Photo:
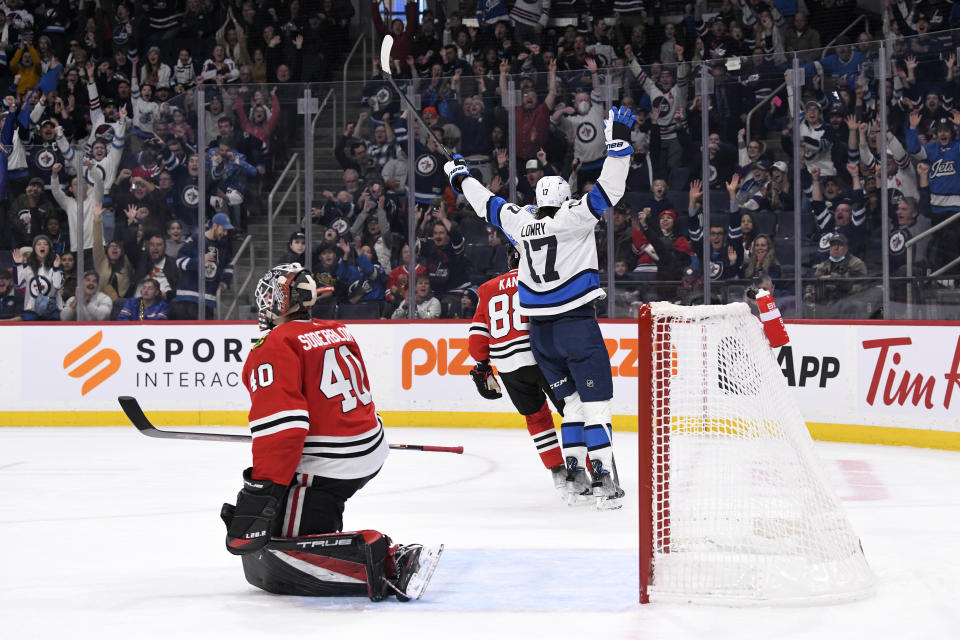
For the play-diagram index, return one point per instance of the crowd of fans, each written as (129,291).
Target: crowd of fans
(101,125)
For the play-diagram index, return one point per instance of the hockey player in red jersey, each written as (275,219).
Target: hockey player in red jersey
(499,333)
(317,440)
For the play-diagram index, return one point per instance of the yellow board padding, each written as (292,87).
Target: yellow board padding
(893,436)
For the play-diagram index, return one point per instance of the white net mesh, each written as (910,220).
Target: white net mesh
(742,509)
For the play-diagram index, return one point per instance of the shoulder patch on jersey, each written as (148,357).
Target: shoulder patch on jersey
(259,341)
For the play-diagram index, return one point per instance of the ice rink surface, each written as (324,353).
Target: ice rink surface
(109,534)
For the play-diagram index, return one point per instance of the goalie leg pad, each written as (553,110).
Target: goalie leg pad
(337,564)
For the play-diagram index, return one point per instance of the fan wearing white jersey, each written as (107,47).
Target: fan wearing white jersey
(558,282)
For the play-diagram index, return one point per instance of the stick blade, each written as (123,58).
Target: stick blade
(385,48)
(131,408)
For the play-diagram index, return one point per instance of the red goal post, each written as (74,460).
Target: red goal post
(735,506)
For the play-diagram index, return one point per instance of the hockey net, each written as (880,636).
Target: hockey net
(735,507)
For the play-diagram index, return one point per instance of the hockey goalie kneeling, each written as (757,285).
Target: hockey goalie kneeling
(317,440)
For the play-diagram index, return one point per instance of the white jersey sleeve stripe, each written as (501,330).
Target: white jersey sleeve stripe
(301,413)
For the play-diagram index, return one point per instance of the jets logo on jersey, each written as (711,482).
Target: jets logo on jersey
(426,165)
(661,107)
(210,268)
(898,241)
(382,97)
(586,132)
(45,159)
(24,216)
(103,174)
(825,242)
(715,269)
(942,168)
(190,195)
(40,286)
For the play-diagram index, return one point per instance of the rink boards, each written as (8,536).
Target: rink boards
(876,382)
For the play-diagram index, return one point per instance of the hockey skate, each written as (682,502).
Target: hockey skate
(577,484)
(559,474)
(605,487)
(415,566)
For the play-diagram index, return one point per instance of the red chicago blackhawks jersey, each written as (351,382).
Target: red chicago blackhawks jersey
(311,407)
(498,330)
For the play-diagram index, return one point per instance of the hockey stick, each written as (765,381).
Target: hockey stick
(135,414)
(385,48)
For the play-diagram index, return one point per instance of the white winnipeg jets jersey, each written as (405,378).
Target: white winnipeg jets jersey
(558,255)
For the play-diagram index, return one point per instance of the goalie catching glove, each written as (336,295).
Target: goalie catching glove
(616,130)
(456,170)
(250,523)
(482,374)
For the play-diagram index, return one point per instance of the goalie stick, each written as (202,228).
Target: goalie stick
(385,48)
(136,416)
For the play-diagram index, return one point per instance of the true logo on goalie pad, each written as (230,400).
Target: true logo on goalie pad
(309,544)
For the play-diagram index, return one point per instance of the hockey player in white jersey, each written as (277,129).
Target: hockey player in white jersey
(558,282)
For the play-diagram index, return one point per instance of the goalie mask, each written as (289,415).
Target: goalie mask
(283,290)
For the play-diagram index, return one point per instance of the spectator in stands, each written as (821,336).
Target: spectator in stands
(28,213)
(58,239)
(93,198)
(762,258)
(801,36)
(843,215)
(68,266)
(533,114)
(442,253)
(369,284)
(218,68)
(157,266)
(833,272)
(149,306)
(817,138)
(97,306)
(174,239)
(40,278)
(428,306)
(358,160)
(402,35)
(400,277)
(726,254)
(750,193)
(25,63)
(371,226)
(184,73)
(218,270)
(660,244)
(909,224)
(227,169)
(11,300)
(943,153)
(659,201)
(296,249)
(780,194)
(262,121)
(114,268)
(669,100)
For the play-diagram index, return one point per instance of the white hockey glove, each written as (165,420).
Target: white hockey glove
(616,130)
(456,171)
